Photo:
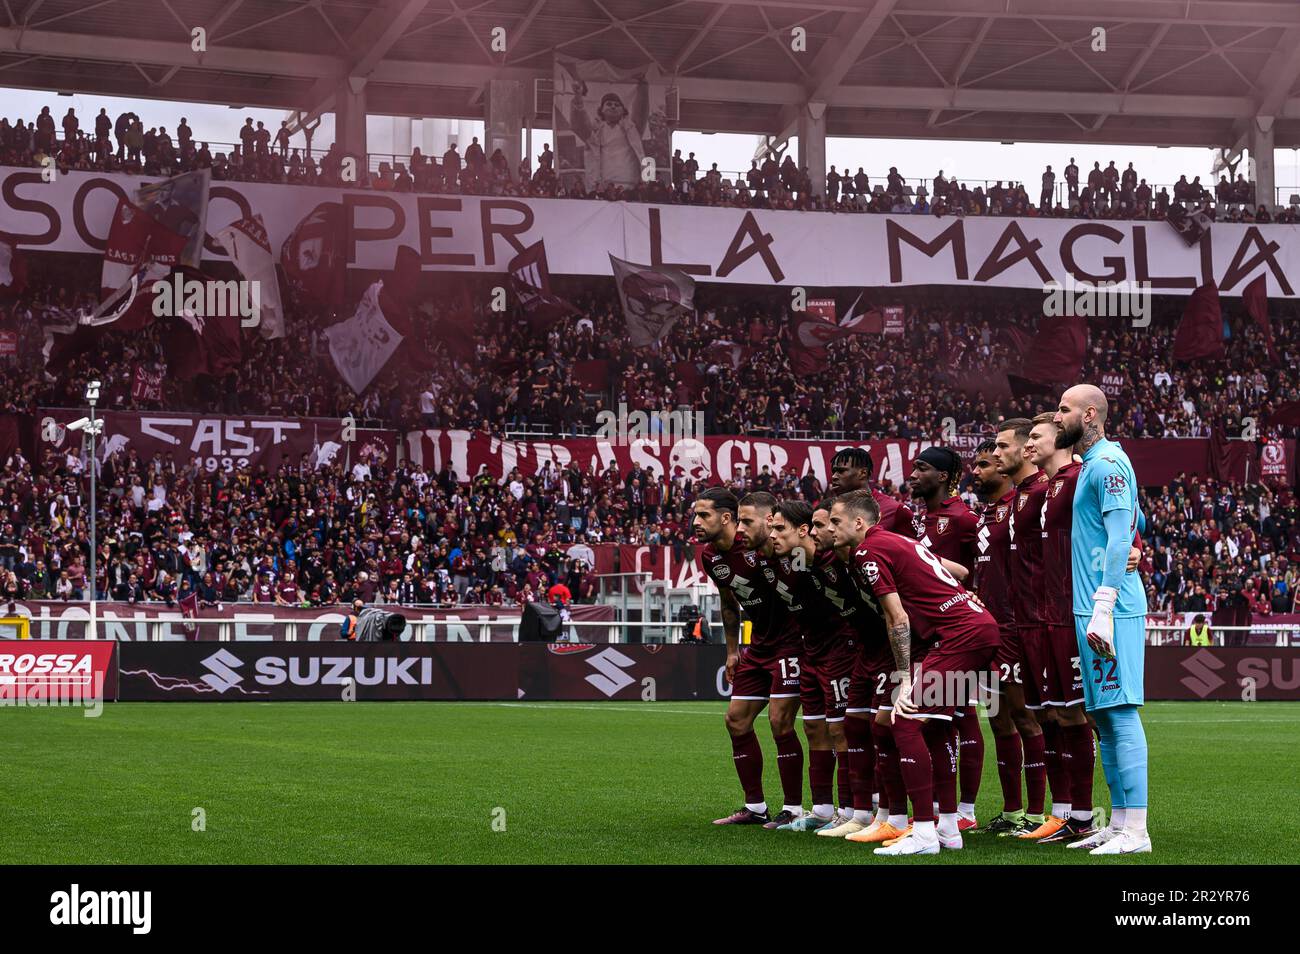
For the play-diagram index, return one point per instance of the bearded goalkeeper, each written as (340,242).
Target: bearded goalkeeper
(1109,614)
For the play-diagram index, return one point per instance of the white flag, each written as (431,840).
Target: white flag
(653,299)
(363,344)
(247,244)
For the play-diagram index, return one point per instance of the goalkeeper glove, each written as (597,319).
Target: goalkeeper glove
(1101,628)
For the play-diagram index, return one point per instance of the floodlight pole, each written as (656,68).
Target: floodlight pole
(92,397)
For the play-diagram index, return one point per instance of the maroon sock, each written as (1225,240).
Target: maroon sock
(970,758)
(843,780)
(821,769)
(914,765)
(789,763)
(1056,766)
(1035,773)
(888,772)
(861,764)
(1083,763)
(748,755)
(941,739)
(1010,757)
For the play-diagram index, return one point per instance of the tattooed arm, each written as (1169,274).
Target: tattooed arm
(899,628)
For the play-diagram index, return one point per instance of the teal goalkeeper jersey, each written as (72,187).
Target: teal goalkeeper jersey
(1106,483)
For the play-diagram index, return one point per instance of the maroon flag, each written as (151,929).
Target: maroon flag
(147,385)
(811,333)
(313,255)
(198,344)
(1055,357)
(189,607)
(13,268)
(729,354)
(653,298)
(1285,415)
(136,238)
(531,280)
(1191,226)
(129,308)
(1255,297)
(397,299)
(1200,333)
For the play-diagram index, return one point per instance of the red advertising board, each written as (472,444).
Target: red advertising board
(69,671)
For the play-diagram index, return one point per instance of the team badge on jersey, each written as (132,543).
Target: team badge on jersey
(1002,513)
(1020,501)
(1116,484)
(1055,489)
(750,558)
(941,525)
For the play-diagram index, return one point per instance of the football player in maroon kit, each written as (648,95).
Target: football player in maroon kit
(767,672)
(913,583)
(1061,686)
(949,528)
(852,469)
(829,651)
(1018,739)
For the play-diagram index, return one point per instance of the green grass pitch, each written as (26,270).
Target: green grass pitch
(364,783)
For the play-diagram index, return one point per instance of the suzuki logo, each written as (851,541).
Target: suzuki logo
(984,539)
(222,665)
(609,663)
(1202,665)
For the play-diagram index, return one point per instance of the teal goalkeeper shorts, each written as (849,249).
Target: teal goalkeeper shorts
(1118,681)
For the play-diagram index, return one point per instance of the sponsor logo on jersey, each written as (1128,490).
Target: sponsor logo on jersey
(767,572)
(722,571)
(872,570)
(830,573)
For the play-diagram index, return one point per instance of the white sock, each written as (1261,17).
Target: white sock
(898,821)
(936,808)
(875,800)
(1135,821)
(1061,809)
(824,811)
(795,810)
(924,830)
(1118,818)
(882,814)
(966,809)
(758,808)
(948,824)
(862,816)
(1076,815)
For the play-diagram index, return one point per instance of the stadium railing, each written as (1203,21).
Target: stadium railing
(502,629)
(1284,635)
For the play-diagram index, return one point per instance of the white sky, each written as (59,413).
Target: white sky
(915,158)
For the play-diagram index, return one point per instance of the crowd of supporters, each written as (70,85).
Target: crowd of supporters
(262,155)
(731,362)
(385,532)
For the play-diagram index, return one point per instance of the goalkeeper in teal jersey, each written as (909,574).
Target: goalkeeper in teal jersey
(1109,614)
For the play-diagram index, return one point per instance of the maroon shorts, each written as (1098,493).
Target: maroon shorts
(824,686)
(870,686)
(1064,683)
(946,679)
(1033,648)
(757,680)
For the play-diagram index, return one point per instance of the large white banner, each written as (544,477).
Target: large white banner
(476,233)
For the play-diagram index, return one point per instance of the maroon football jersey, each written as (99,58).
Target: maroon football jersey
(938,607)
(750,576)
(950,530)
(820,615)
(1056,596)
(1025,533)
(992,566)
(894,516)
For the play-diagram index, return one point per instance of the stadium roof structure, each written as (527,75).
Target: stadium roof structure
(1174,72)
